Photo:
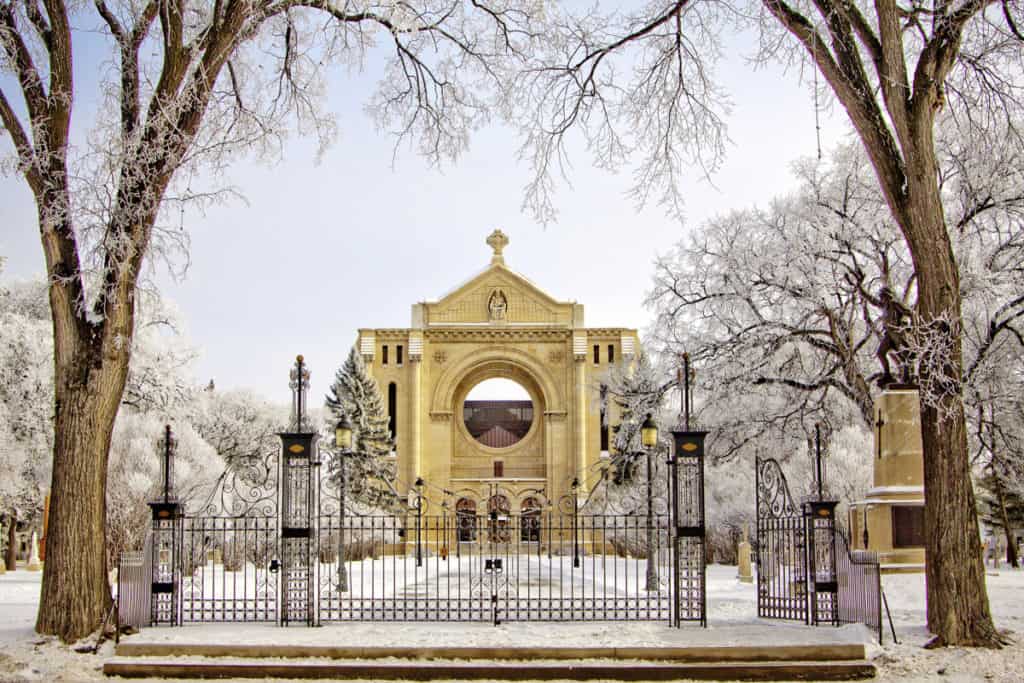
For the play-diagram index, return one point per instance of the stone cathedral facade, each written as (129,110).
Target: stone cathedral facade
(497,324)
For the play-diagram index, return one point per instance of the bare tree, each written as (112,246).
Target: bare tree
(194,84)
(642,81)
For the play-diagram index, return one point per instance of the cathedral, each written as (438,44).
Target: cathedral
(498,324)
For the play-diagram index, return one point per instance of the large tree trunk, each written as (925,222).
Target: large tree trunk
(958,609)
(77,526)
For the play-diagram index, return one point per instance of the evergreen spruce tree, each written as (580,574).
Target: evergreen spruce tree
(369,472)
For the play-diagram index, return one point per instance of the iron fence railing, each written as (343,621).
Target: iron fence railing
(860,586)
(134,584)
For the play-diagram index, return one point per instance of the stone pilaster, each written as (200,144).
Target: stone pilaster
(415,439)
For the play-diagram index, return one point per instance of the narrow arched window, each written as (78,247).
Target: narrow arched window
(604,419)
(393,410)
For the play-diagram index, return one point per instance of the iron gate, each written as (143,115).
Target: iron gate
(805,571)
(491,555)
(509,556)
(781,547)
(276,542)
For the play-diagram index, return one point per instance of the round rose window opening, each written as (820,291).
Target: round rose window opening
(498,412)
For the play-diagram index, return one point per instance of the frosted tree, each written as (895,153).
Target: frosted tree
(785,308)
(136,454)
(369,469)
(191,87)
(26,407)
(639,82)
(998,438)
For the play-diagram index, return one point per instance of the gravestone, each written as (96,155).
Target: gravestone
(33,558)
(743,558)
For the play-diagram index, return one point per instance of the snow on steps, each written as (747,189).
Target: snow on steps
(762,662)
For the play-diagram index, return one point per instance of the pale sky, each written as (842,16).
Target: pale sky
(321,250)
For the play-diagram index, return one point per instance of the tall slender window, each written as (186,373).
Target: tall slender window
(384,355)
(611,353)
(604,420)
(398,354)
(597,353)
(393,410)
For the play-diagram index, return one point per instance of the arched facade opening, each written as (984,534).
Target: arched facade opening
(465,520)
(529,520)
(498,512)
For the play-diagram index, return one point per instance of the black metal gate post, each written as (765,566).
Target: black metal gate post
(166,544)
(689,561)
(299,486)
(820,520)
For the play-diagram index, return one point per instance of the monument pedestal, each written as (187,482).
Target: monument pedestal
(890,520)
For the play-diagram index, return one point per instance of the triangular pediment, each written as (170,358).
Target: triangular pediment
(499,296)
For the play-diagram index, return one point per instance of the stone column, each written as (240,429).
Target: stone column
(580,415)
(415,440)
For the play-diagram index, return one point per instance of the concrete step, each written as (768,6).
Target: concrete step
(416,670)
(827,652)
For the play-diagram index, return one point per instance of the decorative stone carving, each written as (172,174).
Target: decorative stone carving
(440,357)
(497,241)
(497,305)
(556,356)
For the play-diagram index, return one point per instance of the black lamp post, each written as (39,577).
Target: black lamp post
(343,445)
(649,438)
(419,520)
(575,530)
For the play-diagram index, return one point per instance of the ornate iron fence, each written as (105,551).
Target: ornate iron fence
(276,542)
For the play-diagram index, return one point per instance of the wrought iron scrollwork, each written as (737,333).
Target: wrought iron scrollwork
(247,487)
(773,497)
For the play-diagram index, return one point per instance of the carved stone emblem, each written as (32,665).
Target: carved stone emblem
(440,357)
(497,305)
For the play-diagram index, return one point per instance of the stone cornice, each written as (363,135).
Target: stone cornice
(610,332)
(496,333)
(397,334)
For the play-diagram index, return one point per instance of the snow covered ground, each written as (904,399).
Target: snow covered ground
(731,618)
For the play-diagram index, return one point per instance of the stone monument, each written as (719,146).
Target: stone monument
(34,564)
(890,519)
(743,557)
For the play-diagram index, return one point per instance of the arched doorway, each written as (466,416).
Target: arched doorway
(498,512)
(465,520)
(529,521)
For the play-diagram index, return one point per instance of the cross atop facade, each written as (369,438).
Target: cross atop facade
(497,241)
